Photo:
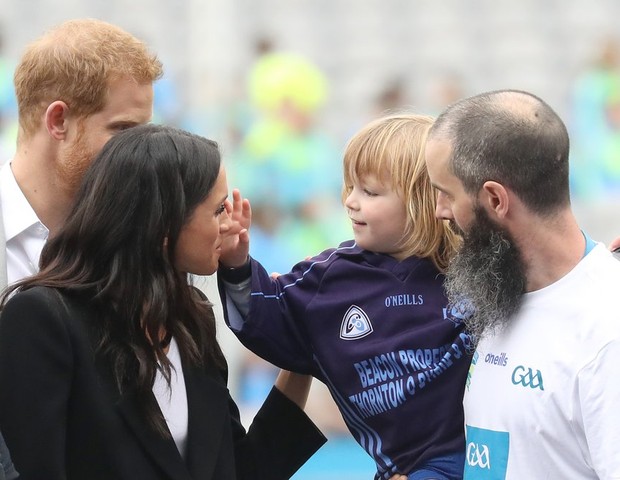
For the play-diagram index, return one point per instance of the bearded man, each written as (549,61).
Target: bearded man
(542,399)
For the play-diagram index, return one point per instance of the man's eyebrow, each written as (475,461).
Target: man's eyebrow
(124,123)
(437,187)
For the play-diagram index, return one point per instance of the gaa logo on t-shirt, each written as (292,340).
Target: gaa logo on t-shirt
(355,324)
(486,454)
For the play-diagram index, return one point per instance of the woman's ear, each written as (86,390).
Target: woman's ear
(495,198)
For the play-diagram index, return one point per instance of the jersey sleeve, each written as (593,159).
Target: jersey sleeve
(599,397)
(274,326)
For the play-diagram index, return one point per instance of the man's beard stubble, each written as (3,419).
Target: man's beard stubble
(488,273)
(73,166)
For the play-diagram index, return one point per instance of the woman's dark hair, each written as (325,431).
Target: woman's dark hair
(117,248)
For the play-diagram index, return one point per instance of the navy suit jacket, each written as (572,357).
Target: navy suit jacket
(63,417)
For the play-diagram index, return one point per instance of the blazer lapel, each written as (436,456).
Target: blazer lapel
(207,403)
(163,451)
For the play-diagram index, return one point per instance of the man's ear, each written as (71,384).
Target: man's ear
(56,119)
(495,199)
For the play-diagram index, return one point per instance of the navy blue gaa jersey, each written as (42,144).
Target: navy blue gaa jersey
(377,332)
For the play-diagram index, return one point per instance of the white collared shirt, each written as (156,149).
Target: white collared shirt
(173,400)
(25,234)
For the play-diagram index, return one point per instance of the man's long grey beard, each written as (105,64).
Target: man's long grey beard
(488,273)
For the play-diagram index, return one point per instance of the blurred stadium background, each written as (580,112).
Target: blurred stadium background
(282,85)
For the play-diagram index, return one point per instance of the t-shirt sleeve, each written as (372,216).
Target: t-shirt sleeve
(599,398)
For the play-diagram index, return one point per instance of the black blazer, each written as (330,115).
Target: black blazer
(63,417)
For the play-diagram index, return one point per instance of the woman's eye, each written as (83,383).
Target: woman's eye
(220,210)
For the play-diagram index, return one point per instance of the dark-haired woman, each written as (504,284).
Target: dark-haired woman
(109,364)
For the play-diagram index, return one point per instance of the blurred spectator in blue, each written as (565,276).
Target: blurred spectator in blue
(241,112)
(167,103)
(8,106)
(595,125)
(286,164)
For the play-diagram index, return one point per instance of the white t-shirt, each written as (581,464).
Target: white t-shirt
(173,401)
(543,398)
(24,233)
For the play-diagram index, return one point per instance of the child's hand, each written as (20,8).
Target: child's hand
(236,241)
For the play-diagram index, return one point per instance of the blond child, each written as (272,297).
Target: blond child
(369,318)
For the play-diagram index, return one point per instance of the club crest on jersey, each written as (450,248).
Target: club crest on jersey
(355,324)
(458,311)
